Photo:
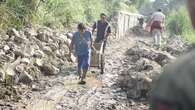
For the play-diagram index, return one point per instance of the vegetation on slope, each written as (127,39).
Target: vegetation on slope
(57,13)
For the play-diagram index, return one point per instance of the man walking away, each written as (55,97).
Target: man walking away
(82,41)
(157,23)
(103,30)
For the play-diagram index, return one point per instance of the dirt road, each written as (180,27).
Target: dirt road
(101,92)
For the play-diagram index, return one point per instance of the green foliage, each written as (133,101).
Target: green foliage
(56,13)
(16,13)
(139,3)
(126,7)
(190,36)
(62,12)
(178,23)
(115,5)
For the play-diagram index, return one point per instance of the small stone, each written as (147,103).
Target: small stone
(39,62)
(13,32)
(25,61)
(25,78)
(29,32)
(35,88)
(48,69)
(6,48)
(47,50)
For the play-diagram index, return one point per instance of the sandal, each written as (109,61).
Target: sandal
(82,82)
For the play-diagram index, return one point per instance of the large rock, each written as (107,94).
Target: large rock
(142,68)
(26,73)
(7,71)
(63,38)
(138,78)
(38,62)
(139,31)
(25,78)
(160,57)
(25,54)
(44,34)
(6,48)
(16,35)
(25,61)
(176,46)
(49,69)
(47,50)
(8,93)
(19,39)
(22,75)
(30,32)
(38,54)
(18,53)
(53,46)
(13,32)
(3,37)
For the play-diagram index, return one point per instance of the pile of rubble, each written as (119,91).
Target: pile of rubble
(176,45)
(27,54)
(140,31)
(142,68)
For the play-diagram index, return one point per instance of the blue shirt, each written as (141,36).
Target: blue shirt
(82,42)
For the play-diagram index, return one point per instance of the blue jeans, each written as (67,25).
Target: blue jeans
(84,61)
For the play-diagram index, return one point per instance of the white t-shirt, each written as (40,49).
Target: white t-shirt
(158,16)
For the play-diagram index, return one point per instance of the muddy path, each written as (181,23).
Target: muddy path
(101,92)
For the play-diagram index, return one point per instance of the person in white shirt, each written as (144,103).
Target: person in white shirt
(157,23)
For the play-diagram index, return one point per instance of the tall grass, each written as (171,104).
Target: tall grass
(56,13)
(178,23)
(16,13)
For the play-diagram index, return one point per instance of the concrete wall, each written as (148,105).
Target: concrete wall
(124,21)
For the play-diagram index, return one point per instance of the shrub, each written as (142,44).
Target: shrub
(56,13)
(178,23)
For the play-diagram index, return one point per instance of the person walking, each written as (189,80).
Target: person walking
(103,30)
(82,41)
(156,24)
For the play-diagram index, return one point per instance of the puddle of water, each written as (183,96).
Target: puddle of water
(72,84)
(49,102)
(55,94)
(93,82)
(42,105)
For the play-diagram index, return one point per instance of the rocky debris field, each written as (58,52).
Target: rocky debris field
(29,54)
(36,73)
(177,46)
(139,31)
(142,66)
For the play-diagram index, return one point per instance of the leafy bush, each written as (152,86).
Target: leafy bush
(16,13)
(56,13)
(178,23)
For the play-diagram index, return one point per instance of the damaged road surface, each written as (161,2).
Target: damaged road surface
(47,81)
(101,92)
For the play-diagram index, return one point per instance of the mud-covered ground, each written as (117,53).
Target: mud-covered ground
(132,66)
(101,92)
